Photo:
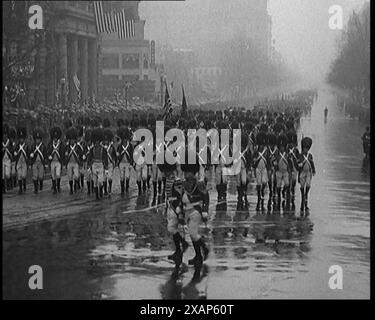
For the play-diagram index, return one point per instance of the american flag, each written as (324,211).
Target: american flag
(167,103)
(111,22)
(77,84)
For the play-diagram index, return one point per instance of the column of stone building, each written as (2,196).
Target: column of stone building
(83,74)
(72,66)
(93,68)
(42,53)
(62,65)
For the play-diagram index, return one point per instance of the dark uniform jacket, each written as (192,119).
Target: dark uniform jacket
(98,153)
(306,158)
(8,149)
(73,151)
(37,150)
(55,150)
(124,149)
(259,155)
(21,150)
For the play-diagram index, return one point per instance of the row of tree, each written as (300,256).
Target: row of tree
(351,68)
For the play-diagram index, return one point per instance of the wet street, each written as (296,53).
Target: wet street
(117,248)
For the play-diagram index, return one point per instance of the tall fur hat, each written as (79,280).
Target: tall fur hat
(120,122)
(291,136)
(263,127)
(68,123)
(71,133)
(12,133)
(124,133)
(282,140)
(5,129)
(306,142)
(106,123)
(55,133)
(80,131)
(271,139)
(21,132)
(87,136)
(108,134)
(38,133)
(289,125)
(97,135)
(261,138)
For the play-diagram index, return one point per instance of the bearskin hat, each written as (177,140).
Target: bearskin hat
(71,133)
(244,141)
(106,123)
(55,133)
(271,139)
(306,142)
(278,127)
(143,123)
(261,138)
(263,127)
(80,131)
(282,140)
(38,133)
(94,123)
(87,136)
(289,125)
(97,135)
(279,119)
(291,137)
(12,133)
(68,123)
(80,120)
(124,133)
(86,121)
(21,132)
(5,129)
(108,134)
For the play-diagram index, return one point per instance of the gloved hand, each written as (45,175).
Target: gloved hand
(204,216)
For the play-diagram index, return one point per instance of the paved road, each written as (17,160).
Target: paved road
(117,248)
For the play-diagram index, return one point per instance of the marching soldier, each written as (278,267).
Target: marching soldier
(7,158)
(88,146)
(283,169)
(294,156)
(73,158)
(271,138)
(21,158)
(306,171)
(110,153)
(124,157)
(37,158)
(261,166)
(244,176)
(98,161)
(194,207)
(55,154)
(12,135)
(82,145)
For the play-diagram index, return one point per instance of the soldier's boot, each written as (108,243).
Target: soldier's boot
(4,186)
(205,251)
(110,186)
(105,188)
(270,189)
(54,187)
(127,184)
(20,186)
(144,186)
(302,200)
(154,184)
(139,187)
(177,255)
(96,190)
(41,184)
(24,184)
(198,259)
(122,186)
(14,181)
(101,191)
(71,187)
(82,181)
(225,185)
(35,186)
(306,198)
(159,186)
(88,184)
(148,182)
(58,185)
(239,193)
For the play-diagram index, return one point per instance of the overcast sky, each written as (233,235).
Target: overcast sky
(299,28)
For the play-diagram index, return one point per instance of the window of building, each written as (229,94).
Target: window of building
(130,61)
(110,61)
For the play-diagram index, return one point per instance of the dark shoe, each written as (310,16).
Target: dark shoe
(54,188)
(41,185)
(82,181)
(127,185)
(139,187)
(101,191)
(20,185)
(35,186)
(197,260)
(58,185)
(24,184)
(122,185)
(96,190)
(110,186)
(88,187)
(71,187)
(105,188)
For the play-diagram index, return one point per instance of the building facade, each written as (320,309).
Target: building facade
(126,63)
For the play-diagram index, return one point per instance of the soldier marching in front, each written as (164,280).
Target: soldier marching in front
(111,160)
(37,158)
(55,153)
(21,158)
(124,157)
(73,159)
(7,159)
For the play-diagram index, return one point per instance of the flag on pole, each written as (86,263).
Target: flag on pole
(99,16)
(167,103)
(77,85)
(184,105)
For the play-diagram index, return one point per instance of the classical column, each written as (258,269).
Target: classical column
(62,67)
(41,73)
(83,74)
(72,67)
(93,68)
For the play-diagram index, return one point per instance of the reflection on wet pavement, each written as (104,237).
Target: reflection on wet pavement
(119,250)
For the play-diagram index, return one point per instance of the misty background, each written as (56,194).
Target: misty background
(300,32)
